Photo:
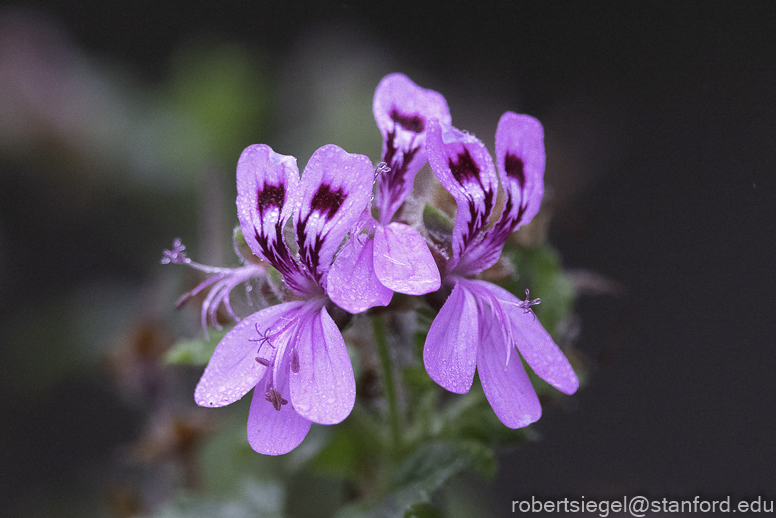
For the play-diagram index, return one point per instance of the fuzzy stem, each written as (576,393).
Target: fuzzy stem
(384,354)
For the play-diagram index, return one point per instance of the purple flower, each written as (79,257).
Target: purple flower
(292,353)
(480,324)
(391,256)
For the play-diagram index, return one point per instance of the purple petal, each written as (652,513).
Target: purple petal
(352,283)
(464,167)
(450,353)
(266,186)
(324,389)
(402,110)
(506,384)
(274,432)
(403,261)
(535,343)
(233,370)
(520,157)
(334,190)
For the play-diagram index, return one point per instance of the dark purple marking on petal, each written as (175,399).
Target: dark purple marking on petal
(391,183)
(271,196)
(276,252)
(295,360)
(411,123)
(514,167)
(327,202)
(274,397)
(465,170)
(273,245)
(477,219)
(310,253)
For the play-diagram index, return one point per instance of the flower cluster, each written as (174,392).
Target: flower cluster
(349,249)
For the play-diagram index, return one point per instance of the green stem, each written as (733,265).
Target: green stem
(381,339)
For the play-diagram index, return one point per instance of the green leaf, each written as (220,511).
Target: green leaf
(354,448)
(194,351)
(429,468)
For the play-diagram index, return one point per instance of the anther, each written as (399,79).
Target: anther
(262,361)
(295,362)
(274,397)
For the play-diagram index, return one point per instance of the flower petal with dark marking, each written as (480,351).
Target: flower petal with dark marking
(402,110)
(266,184)
(464,167)
(333,192)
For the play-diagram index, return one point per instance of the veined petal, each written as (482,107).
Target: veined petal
(271,431)
(520,158)
(324,388)
(233,369)
(402,110)
(403,262)
(352,283)
(266,183)
(334,190)
(505,383)
(535,343)
(450,352)
(464,167)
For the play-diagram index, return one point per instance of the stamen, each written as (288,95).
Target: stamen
(527,303)
(223,281)
(274,397)
(295,362)
(262,361)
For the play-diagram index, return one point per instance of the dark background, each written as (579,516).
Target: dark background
(661,121)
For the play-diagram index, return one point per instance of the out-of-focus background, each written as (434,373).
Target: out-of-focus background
(120,127)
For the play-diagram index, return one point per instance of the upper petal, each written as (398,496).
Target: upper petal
(274,432)
(267,183)
(464,167)
(520,158)
(535,343)
(403,261)
(450,352)
(402,110)
(324,388)
(334,190)
(504,381)
(233,369)
(352,283)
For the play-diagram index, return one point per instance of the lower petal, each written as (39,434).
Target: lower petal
(352,283)
(324,389)
(535,344)
(274,432)
(233,369)
(403,261)
(450,353)
(506,385)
